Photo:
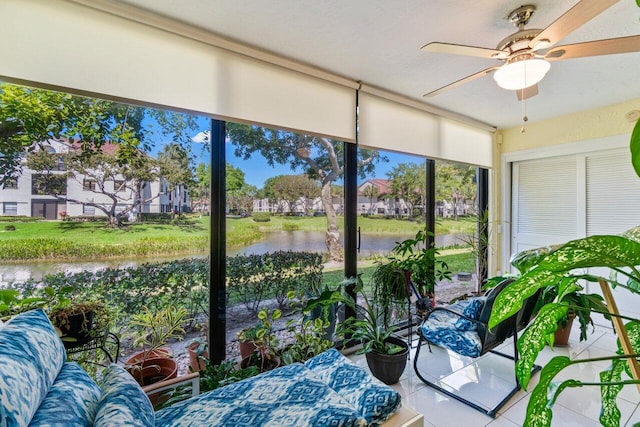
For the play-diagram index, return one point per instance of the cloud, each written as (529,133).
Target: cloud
(203,137)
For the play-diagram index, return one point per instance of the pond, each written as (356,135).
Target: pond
(286,240)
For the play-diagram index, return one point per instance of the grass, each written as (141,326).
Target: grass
(65,240)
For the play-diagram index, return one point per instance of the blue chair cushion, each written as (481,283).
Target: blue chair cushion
(471,308)
(288,396)
(373,400)
(31,356)
(440,329)
(123,403)
(72,400)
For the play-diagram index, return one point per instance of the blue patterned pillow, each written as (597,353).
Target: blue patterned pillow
(471,310)
(31,355)
(72,400)
(288,396)
(372,399)
(123,402)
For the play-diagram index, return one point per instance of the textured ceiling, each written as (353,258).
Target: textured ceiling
(379,41)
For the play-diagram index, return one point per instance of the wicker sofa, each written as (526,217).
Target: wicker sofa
(38,387)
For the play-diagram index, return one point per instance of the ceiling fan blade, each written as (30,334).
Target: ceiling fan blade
(460,49)
(528,92)
(574,18)
(595,48)
(461,81)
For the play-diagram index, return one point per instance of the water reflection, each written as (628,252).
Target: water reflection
(371,244)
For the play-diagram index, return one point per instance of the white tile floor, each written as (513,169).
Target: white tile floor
(488,378)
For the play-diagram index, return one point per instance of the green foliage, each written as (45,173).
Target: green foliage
(309,340)
(262,336)
(62,248)
(422,261)
(367,327)
(559,271)
(261,216)
(215,376)
(11,218)
(635,143)
(13,301)
(153,329)
(253,278)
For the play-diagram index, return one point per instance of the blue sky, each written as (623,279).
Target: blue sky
(256,168)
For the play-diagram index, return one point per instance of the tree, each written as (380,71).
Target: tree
(296,190)
(175,168)
(30,117)
(455,183)
(371,192)
(320,157)
(408,182)
(240,195)
(200,191)
(102,174)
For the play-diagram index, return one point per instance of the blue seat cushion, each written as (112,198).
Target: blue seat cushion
(440,329)
(72,400)
(470,308)
(123,403)
(372,399)
(31,356)
(288,396)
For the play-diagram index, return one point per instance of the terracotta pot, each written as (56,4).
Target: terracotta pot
(153,370)
(139,357)
(196,363)
(268,365)
(246,348)
(561,336)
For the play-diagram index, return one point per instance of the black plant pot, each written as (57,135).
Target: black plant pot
(79,327)
(388,367)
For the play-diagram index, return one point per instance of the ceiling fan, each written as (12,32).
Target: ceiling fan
(527,53)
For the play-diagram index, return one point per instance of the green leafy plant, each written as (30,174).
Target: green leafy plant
(13,301)
(367,327)
(309,340)
(154,329)
(264,339)
(422,261)
(215,376)
(562,268)
(94,317)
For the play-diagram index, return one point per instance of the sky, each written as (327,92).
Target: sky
(257,170)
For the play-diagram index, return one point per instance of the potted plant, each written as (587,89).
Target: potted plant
(421,263)
(265,355)
(386,354)
(152,331)
(620,254)
(309,339)
(80,322)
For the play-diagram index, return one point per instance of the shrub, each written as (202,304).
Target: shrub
(10,227)
(261,216)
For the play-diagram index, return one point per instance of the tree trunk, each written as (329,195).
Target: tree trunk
(332,238)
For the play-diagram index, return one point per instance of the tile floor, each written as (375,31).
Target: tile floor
(488,378)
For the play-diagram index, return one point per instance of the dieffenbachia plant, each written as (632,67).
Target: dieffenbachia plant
(564,267)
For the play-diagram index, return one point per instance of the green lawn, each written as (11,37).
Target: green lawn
(89,240)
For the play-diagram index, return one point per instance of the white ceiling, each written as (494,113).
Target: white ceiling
(379,41)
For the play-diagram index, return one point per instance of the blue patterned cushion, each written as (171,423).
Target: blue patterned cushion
(72,400)
(440,329)
(471,309)
(372,399)
(288,396)
(31,355)
(122,403)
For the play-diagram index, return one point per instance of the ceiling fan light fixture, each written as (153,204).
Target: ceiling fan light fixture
(520,74)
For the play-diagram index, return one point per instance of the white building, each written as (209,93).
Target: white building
(76,196)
